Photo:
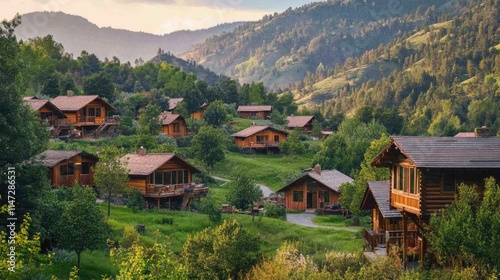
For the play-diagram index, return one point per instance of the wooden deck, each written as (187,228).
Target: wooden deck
(161,191)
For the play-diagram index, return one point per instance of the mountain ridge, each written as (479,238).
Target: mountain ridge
(76,33)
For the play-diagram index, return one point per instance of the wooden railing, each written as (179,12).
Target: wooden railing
(66,180)
(90,119)
(172,190)
(373,238)
(395,237)
(264,144)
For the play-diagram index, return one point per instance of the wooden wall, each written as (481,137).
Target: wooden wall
(260,115)
(198,115)
(301,185)
(54,118)
(58,180)
(252,139)
(169,129)
(138,183)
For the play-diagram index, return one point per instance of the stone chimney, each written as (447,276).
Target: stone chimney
(483,131)
(70,93)
(317,169)
(141,151)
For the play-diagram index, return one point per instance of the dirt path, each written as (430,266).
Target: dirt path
(306,220)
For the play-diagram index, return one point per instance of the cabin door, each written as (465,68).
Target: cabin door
(312,200)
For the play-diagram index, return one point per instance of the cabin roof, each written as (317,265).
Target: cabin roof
(204,105)
(76,102)
(167,118)
(51,158)
(326,132)
(465,134)
(380,192)
(442,152)
(332,179)
(26,98)
(37,104)
(172,103)
(256,108)
(255,129)
(149,163)
(299,121)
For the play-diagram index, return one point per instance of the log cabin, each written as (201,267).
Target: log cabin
(67,168)
(302,122)
(50,115)
(164,180)
(255,112)
(88,113)
(259,137)
(314,190)
(425,175)
(200,113)
(173,125)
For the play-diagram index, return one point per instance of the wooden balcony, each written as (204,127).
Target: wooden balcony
(69,180)
(160,191)
(374,239)
(260,145)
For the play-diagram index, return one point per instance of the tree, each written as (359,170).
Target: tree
(466,231)
(82,223)
(208,207)
(208,146)
(292,145)
(215,114)
(111,174)
(99,84)
(316,130)
(221,253)
(149,121)
(152,262)
(242,193)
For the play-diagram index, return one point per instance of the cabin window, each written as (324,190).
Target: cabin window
(298,196)
(448,182)
(158,178)
(166,178)
(98,112)
(394,178)
(312,185)
(174,178)
(260,139)
(401,178)
(276,138)
(91,112)
(67,169)
(412,181)
(326,197)
(86,167)
(180,177)
(186,177)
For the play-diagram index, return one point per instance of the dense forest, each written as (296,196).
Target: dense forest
(440,79)
(281,48)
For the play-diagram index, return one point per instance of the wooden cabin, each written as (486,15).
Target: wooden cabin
(50,115)
(325,134)
(88,113)
(200,113)
(313,190)
(302,122)
(173,125)
(173,102)
(66,168)
(255,112)
(425,174)
(165,180)
(259,137)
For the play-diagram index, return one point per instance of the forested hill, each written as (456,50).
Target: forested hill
(77,33)
(441,79)
(189,67)
(281,48)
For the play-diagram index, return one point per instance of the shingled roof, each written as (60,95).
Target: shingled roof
(255,129)
(51,158)
(37,104)
(298,121)
(443,152)
(332,179)
(256,108)
(167,118)
(76,102)
(379,192)
(150,162)
(172,103)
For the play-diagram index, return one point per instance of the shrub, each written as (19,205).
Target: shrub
(136,201)
(130,235)
(208,207)
(274,211)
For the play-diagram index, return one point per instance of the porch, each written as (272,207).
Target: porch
(162,191)
(381,243)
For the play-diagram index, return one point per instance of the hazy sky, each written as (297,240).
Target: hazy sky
(154,16)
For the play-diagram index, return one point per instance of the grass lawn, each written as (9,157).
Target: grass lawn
(241,123)
(271,170)
(330,220)
(316,241)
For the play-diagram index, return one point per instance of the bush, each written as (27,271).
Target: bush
(136,201)
(274,211)
(203,178)
(166,221)
(336,262)
(130,235)
(208,207)
(185,141)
